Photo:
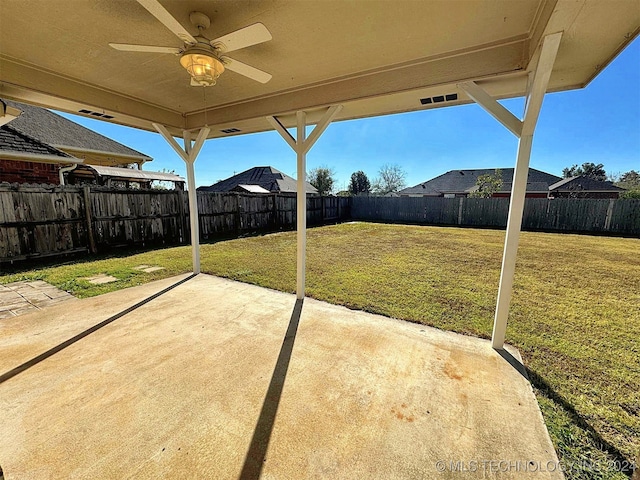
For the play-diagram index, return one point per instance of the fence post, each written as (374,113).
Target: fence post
(460,211)
(87,212)
(275,211)
(607,220)
(238,216)
(182,220)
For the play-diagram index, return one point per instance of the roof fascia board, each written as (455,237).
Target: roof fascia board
(54,89)
(77,150)
(38,158)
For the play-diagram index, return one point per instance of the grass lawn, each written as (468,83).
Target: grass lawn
(575,310)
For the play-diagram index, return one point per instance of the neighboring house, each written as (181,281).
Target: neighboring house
(36,144)
(460,183)
(26,160)
(584,187)
(259,180)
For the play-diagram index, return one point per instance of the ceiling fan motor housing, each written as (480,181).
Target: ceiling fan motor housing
(202,64)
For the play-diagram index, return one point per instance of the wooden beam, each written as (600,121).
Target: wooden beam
(538,86)
(321,126)
(162,130)
(495,109)
(284,133)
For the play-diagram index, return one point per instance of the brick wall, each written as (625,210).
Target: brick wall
(13,171)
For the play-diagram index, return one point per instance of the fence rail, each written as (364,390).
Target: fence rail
(39,221)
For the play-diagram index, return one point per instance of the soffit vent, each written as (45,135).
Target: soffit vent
(449,97)
(230,130)
(95,114)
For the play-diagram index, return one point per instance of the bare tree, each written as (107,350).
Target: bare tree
(391,178)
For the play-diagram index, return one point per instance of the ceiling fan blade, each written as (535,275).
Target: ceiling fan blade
(157,10)
(246,70)
(245,37)
(125,47)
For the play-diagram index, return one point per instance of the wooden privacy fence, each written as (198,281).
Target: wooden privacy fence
(40,221)
(580,215)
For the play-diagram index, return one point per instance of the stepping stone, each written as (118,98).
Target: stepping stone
(141,267)
(152,269)
(100,279)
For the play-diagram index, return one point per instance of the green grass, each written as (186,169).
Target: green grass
(575,312)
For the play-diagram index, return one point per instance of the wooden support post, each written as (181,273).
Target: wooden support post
(189,154)
(535,97)
(87,213)
(536,89)
(301,145)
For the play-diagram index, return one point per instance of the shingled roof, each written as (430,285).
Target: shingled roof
(583,183)
(55,130)
(266,177)
(463,182)
(14,142)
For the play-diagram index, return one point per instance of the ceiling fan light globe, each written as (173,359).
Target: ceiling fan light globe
(204,69)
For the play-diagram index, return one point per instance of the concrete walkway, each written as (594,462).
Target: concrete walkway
(18,298)
(219,379)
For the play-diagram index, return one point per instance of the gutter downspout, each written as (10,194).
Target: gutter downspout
(64,170)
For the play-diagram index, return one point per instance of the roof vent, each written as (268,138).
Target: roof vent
(95,114)
(449,97)
(230,130)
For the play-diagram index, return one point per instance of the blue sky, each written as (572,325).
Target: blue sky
(599,124)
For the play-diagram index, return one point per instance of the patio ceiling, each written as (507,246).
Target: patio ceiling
(372,57)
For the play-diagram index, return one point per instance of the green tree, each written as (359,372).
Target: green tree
(588,169)
(631,182)
(488,184)
(359,183)
(323,179)
(391,178)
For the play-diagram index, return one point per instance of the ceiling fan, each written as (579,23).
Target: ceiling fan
(204,59)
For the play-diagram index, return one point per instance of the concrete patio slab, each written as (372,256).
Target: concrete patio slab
(218,379)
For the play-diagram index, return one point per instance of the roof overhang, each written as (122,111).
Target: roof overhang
(119,158)
(38,158)
(373,57)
